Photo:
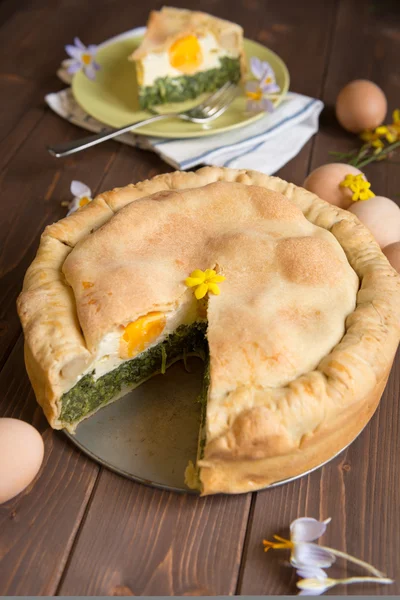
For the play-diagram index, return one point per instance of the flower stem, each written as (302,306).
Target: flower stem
(384,580)
(357,561)
(384,152)
(344,154)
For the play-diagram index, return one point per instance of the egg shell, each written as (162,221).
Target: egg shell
(21,455)
(361,105)
(381,216)
(324,182)
(392,253)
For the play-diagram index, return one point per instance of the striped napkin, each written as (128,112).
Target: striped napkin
(266,145)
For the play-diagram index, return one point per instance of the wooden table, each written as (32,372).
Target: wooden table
(82,529)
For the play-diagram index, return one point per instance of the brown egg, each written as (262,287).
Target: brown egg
(325,180)
(392,253)
(21,455)
(361,105)
(381,216)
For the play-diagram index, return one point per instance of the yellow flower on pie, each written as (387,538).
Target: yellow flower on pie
(359,186)
(204,282)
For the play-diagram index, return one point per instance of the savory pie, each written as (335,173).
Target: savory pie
(298,345)
(184,54)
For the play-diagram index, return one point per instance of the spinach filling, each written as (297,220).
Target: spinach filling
(188,87)
(89,394)
(203,401)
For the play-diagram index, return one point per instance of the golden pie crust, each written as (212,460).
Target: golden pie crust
(272,413)
(168,25)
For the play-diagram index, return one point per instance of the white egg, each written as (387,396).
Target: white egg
(381,216)
(21,456)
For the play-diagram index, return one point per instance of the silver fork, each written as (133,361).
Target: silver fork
(207,111)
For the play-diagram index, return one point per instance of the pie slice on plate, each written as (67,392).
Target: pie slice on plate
(297,345)
(186,53)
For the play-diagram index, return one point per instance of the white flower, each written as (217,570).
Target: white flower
(82,57)
(82,196)
(256,100)
(303,553)
(316,586)
(311,572)
(309,558)
(308,574)
(265,75)
(258,92)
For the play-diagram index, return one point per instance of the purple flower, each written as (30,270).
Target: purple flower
(256,101)
(265,75)
(82,57)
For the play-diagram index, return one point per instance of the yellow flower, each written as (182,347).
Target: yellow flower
(386,131)
(377,144)
(204,281)
(369,135)
(396,120)
(359,186)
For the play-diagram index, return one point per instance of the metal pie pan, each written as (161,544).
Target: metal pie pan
(150,434)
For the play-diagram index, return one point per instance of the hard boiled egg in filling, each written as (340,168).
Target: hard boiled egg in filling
(186,55)
(128,341)
(139,334)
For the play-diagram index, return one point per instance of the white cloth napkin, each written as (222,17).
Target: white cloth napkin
(266,145)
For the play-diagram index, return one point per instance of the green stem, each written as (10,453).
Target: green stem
(357,561)
(343,155)
(374,157)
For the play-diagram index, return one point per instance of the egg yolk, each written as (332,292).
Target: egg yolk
(185,54)
(141,333)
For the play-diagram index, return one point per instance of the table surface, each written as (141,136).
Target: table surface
(81,529)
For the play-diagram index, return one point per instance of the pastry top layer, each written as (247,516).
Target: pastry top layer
(288,285)
(164,27)
(246,420)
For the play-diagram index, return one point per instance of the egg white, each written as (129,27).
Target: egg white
(107,357)
(156,64)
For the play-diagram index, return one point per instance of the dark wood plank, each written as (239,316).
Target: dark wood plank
(32,186)
(149,542)
(39,526)
(359,488)
(282,29)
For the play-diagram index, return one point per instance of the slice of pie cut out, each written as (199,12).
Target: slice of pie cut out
(185,54)
(297,346)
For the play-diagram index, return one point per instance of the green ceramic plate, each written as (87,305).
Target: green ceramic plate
(112,97)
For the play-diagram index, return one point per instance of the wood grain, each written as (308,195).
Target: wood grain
(112,570)
(38,527)
(353,486)
(79,530)
(152,542)
(357,489)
